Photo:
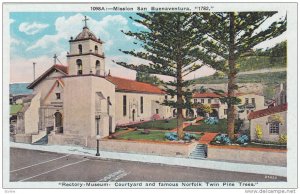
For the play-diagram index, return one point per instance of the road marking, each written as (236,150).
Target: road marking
(53,170)
(119,176)
(114,176)
(40,163)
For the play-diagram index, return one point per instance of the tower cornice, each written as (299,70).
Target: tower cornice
(91,53)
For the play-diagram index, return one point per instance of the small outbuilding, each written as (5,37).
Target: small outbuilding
(268,124)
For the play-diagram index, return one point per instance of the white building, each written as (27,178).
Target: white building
(68,99)
(249,103)
(271,121)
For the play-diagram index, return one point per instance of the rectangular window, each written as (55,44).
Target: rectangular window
(195,100)
(225,111)
(253,100)
(157,111)
(166,97)
(274,128)
(57,96)
(202,101)
(209,101)
(124,105)
(246,100)
(142,104)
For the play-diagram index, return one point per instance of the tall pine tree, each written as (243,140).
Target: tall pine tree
(229,36)
(170,45)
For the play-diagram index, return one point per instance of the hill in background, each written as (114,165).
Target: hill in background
(19,88)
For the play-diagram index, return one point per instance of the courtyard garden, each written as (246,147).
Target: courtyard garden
(218,127)
(166,124)
(155,135)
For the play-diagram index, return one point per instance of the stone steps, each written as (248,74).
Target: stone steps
(198,152)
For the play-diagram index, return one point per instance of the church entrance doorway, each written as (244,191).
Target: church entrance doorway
(58,122)
(133,114)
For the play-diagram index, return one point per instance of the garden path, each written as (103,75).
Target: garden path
(207,138)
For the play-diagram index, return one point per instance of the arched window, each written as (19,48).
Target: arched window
(96,49)
(97,67)
(79,66)
(80,49)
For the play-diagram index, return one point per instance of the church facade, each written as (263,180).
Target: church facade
(70,101)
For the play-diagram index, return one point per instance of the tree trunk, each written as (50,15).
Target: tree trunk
(180,132)
(231,80)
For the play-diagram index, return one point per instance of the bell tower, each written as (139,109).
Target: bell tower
(86,54)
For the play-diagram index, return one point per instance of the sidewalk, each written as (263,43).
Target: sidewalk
(208,164)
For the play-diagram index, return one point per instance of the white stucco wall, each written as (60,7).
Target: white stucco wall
(31,116)
(134,103)
(45,85)
(79,105)
(259,104)
(263,122)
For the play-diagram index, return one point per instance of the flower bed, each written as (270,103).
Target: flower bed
(244,141)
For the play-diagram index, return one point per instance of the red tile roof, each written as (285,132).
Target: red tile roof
(61,68)
(127,85)
(267,111)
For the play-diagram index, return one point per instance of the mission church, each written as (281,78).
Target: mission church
(68,100)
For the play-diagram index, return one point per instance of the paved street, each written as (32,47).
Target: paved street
(32,165)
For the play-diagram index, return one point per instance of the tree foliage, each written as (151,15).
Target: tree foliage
(147,78)
(170,44)
(230,36)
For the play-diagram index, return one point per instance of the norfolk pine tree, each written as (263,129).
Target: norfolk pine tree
(230,35)
(170,44)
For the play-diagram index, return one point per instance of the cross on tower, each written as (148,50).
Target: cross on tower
(85,19)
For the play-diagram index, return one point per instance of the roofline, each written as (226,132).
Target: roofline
(134,91)
(284,106)
(36,81)
(131,80)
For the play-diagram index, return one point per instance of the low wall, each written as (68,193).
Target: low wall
(146,147)
(22,138)
(255,155)
(61,139)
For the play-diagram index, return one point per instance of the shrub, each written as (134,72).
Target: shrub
(282,139)
(242,139)
(258,131)
(222,139)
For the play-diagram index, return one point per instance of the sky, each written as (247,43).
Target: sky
(36,37)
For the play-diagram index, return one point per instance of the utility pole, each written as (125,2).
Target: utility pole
(33,71)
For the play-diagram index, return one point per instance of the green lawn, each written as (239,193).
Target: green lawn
(160,124)
(221,127)
(137,135)
(153,135)
(15,108)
